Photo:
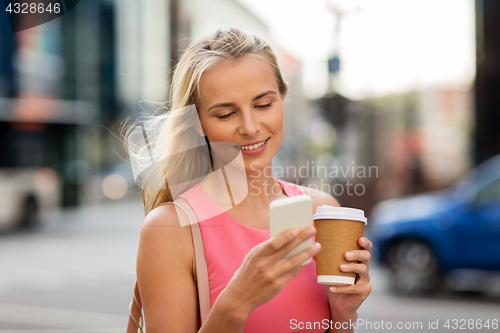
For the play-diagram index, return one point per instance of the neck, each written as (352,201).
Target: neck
(262,188)
(255,188)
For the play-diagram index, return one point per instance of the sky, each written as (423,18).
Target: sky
(385,46)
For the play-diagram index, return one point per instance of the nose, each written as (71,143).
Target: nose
(249,125)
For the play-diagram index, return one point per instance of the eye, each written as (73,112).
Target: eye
(225,116)
(263,106)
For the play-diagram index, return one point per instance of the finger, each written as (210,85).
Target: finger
(299,258)
(285,265)
(284,278)
(365,243)
(361,269)
(358,255)
(303,235)
(288,268)
(277,242)
(280,275)
(362,289)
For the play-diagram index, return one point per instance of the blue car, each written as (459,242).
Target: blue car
(423,238)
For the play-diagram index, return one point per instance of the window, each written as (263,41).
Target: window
(489,193)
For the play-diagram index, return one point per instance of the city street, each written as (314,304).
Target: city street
(389,106)
(75,274)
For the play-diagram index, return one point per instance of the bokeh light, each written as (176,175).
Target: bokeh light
(114,186)
(45,179)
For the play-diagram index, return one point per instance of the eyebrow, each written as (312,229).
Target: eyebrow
(232,104)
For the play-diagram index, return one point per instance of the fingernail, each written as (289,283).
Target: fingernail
(344,267)
(349,255)
(295,232)
(316,247)
(333,289)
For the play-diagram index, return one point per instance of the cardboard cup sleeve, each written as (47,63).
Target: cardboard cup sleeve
(336,236)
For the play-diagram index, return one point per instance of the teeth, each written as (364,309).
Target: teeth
(255,146)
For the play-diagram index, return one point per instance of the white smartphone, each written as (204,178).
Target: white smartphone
(291,212)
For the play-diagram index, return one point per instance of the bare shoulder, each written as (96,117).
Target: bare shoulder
(164,232)
(165,271)
(319,197)
(164,215)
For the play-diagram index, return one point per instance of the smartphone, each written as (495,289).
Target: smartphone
(291,212)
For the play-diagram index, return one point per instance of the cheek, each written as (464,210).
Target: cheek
(218,131)
(276,123)
(209,127)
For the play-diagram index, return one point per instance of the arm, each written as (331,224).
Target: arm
(168,291)
(345,300)
(164,275)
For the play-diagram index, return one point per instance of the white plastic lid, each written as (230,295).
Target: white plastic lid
(335,280)
(339,213)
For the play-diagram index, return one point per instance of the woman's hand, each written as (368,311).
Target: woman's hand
(264,271)
(345,300)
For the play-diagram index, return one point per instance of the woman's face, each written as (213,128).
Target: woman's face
(240,103)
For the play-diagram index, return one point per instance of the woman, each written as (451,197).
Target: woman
(234,81)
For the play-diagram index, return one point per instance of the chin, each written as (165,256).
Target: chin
(258,165)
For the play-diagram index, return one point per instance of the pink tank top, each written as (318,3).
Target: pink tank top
(227,242)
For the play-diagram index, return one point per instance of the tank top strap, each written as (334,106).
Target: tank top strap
(202,207)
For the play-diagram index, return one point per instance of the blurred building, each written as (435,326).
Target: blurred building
(422,139)
(351,158)
(299,117)
(487,81)
(50,94)
(67,85)
(411,142)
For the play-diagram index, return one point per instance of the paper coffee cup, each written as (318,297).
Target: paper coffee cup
(338,231)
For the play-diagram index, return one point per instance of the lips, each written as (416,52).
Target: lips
(261,147)
(253,146)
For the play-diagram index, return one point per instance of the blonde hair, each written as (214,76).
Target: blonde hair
(174,130)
